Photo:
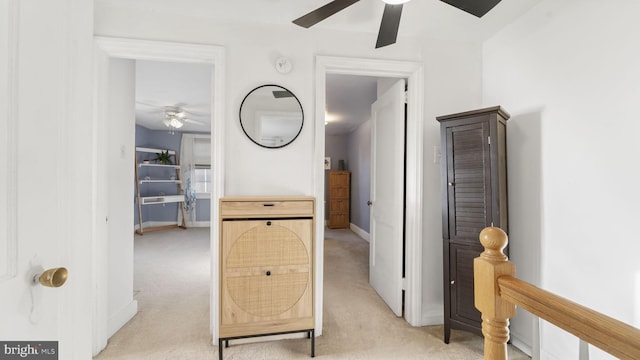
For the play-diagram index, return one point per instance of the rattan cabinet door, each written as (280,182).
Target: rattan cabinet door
(267,276)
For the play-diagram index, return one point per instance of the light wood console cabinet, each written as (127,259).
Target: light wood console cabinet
(266,267)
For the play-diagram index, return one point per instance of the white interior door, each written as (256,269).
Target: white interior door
(46,217)
(387,195)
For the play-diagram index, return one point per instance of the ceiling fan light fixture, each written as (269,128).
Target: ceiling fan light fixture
(176,123)
(172,122)
(395,2)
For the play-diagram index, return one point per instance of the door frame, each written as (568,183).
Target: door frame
(136,49)
(414,73)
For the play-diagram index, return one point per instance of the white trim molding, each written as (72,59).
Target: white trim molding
(360,232)
(191,53)
(414,73)
(122,317)
(8,130)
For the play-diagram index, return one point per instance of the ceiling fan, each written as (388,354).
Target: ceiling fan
(391,17)
(175,118)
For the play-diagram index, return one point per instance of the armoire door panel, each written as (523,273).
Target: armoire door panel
(468,180)
(462,290)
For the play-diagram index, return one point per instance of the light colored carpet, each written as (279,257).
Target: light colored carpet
(171,281)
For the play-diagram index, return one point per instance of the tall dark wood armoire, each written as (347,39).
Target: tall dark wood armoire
(474,196)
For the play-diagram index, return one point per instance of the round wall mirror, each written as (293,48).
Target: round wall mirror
(271,116)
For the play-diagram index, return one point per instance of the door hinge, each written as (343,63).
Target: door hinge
(489,140)
(406,97)
(404,284)
(492,224)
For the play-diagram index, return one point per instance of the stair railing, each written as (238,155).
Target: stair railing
(498,292)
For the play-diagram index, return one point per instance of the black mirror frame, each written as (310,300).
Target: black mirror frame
(251,138)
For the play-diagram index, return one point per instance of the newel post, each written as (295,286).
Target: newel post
(496,311)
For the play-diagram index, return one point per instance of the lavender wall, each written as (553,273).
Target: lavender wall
(335,147)
(359,150)
(162,139)
(355,149)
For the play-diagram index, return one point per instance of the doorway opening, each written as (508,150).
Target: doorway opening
(363,112)
(113,50)
(171,262)
(413,187)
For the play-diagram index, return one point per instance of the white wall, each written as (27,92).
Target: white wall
(568,73)
(120,190)
(452,84)
(452,79)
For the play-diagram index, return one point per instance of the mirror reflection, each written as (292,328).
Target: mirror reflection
(271,116)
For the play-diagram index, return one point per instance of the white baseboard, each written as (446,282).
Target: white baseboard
(165,223)
(117,321)
(148,224)
(547,355)
(520,344)
(433,317)
(363,234)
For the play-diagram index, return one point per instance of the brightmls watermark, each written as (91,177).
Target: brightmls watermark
(30,350)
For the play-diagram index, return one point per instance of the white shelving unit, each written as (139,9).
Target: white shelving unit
(177,197)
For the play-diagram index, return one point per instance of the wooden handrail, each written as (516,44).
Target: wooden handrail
(498,291)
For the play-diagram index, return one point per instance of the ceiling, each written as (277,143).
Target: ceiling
(188,86)
(420,18)
(348,102)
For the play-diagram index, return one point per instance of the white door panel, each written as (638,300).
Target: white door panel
(387,196)
(45,73)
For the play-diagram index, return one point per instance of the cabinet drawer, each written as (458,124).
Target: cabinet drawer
(339,206)
(339,192)
(266,208)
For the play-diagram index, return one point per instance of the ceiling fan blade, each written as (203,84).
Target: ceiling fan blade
(148,104)
(282,94)
(474,7)
(195,122)
(389,25)
(323,12)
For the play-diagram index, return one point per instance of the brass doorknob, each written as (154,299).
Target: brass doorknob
(54,277)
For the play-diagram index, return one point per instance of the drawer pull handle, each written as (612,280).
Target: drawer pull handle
(268,273)
(268,204)
(268,223)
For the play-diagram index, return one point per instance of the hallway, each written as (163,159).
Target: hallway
(171,283)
